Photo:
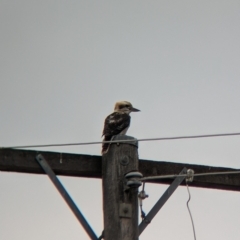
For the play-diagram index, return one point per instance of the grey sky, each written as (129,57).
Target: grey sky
(63,66)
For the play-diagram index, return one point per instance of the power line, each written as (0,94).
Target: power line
(124,141)
(185,175)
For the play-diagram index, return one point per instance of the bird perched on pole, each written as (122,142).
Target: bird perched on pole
(117,123)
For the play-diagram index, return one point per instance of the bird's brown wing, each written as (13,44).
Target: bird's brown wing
(115,123)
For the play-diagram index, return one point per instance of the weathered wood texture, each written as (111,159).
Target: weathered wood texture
(78,165)
(119,160)
(91,166)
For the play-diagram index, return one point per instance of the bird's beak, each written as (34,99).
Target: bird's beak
(135,110)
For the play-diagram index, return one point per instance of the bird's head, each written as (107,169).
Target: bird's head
(124,106)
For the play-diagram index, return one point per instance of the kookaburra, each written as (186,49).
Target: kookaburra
(117,123)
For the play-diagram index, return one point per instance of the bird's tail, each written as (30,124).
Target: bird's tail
(105,146)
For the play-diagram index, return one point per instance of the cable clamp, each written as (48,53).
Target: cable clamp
(142,195)
(190,175)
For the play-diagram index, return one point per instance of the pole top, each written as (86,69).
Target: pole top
(125,137)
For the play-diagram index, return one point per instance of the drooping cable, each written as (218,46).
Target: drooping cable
(189,198)
(141,196)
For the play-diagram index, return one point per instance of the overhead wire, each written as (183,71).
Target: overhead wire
(185,175)
(124,141)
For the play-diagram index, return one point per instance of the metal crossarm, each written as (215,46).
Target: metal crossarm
(40,159)
(167,194)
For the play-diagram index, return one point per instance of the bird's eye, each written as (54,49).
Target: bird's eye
(121,106)
(127,106)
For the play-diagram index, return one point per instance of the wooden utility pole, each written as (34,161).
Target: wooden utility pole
(120,202)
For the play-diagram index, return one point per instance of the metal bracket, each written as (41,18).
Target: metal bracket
(167,194)
(47,169)
(125,210)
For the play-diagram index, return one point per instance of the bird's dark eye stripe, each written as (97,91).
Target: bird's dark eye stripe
(123,106)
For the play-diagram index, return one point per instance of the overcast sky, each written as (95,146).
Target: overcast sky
(64,64)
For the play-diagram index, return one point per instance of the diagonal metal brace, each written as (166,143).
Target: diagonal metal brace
(167,194)
(40,159)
